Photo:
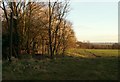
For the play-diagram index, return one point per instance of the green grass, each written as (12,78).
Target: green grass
(81,66)
(105,53)
(0,70)
(100,52)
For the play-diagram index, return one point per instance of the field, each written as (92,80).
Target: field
(78,64)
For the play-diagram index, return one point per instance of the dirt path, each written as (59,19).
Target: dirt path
(92,53)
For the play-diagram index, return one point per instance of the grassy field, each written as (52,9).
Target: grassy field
(78,64)
(0,70)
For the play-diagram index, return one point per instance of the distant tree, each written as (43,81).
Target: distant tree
(115,46)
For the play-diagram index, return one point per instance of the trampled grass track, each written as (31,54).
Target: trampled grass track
(97,52)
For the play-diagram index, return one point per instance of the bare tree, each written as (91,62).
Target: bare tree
(57,11)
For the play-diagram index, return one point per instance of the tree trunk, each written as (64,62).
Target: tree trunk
(42,46)
(11,35)
(49,31)
(28,41)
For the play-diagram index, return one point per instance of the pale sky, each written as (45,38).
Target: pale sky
(95,21)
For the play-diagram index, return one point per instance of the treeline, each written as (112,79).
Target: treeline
(35,28)
(88,45)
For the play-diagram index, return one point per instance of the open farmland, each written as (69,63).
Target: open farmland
(94,52)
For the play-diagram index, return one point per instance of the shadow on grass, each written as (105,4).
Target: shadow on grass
(62,68)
